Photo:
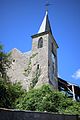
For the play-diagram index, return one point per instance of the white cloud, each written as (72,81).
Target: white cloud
(76,75)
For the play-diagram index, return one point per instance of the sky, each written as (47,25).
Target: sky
(20,19)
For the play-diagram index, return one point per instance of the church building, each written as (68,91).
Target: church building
(39,66)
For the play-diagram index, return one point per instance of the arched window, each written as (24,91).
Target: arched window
(40,43)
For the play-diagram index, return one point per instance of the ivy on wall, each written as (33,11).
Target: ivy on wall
(35,78)
(28,70)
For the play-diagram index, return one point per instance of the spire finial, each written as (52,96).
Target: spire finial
(47,5)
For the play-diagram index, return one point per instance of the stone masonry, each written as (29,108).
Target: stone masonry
(39,66)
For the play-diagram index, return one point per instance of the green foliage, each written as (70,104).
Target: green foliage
(1,47)
(9,93)
(4,63)
(35,78)
(45,99)
(73,109)
(33,55)
(28,70)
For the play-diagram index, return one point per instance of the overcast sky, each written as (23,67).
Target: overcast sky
(19,19)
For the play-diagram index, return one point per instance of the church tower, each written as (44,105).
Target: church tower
(44,49)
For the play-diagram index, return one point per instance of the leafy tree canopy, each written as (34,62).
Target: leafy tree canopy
(45,99)
(4,63)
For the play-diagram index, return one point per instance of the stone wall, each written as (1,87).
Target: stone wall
(42,58)
(19,65)
(6,114)
(35,68)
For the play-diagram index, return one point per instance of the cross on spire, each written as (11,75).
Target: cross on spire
(47,5)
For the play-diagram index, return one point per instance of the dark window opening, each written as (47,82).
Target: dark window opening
(40,43)
(52,49)
(48,63)
(53,68)
(14,60)
(37,66)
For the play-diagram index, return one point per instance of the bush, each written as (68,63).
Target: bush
(9,93)
(45,99)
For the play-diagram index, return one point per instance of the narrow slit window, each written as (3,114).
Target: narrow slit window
(38,67)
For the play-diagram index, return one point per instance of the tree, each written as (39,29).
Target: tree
(45,99)
(8,92)
(73,109)
(4,63)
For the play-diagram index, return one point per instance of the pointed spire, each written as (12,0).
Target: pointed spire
(45,26)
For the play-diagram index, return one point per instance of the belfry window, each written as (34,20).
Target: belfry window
(40,43)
